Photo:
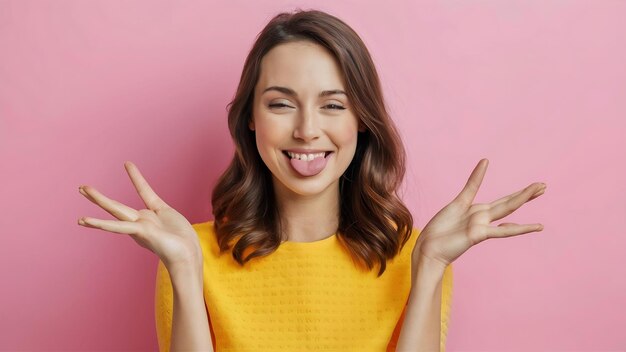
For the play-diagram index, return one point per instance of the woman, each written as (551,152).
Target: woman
(311,248)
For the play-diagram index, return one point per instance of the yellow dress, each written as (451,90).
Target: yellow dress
(305,296)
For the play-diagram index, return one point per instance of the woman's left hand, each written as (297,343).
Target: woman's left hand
(461,224)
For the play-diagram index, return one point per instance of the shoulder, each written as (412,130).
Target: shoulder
(204,229)
(206,236)
(407,248)
(415,233)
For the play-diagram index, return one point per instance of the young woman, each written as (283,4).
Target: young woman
(311,247)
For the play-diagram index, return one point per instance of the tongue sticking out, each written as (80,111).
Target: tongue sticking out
(309,168)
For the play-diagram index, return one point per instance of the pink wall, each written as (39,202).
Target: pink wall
(537,87)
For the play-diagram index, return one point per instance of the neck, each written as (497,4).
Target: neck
(308,218)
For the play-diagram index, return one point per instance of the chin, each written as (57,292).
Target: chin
(306,187)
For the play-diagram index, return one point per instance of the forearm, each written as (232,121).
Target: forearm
(421,329)
(190,324)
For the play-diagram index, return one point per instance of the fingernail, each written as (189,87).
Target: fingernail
(81,221)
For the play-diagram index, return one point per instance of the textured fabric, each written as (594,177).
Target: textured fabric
(302,297)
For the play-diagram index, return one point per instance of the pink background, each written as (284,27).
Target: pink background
(537,87)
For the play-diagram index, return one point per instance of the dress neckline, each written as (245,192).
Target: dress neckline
(316,243)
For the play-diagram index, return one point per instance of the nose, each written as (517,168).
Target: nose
(307,125)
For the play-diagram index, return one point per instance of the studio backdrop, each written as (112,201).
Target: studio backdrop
(537,87)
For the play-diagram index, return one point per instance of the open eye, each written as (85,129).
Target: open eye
(336,107)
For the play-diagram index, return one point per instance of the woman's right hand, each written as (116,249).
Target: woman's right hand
(160,228)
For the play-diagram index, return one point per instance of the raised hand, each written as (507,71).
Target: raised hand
(461,224)
(159,228)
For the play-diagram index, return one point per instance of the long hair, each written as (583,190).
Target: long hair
(374,223)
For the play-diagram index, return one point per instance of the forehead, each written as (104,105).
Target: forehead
(302,65)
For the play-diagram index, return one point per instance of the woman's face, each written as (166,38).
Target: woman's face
(297,117)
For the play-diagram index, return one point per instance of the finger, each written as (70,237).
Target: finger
(506,198)
(123,227)
(505,208)
(148,196)
(511,229)
(113,207)
(468,193)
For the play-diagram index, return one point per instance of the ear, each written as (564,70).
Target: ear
(361,127)
(251,124)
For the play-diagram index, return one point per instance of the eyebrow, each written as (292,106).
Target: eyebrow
(292,93)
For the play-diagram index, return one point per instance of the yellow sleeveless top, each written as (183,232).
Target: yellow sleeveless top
(305,296)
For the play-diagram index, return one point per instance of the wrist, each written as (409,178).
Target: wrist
(185,262)
(427,269)
(192,270)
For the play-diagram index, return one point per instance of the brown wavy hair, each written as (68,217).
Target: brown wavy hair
(374,223)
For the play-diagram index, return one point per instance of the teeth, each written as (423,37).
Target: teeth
(305,157)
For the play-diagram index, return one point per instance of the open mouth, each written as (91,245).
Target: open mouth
(326,154)
(310,165)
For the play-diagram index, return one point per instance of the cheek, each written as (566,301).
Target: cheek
(269,136)
(347,135)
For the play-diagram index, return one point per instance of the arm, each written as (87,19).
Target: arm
(421,329)
(181,319)
(450,233)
